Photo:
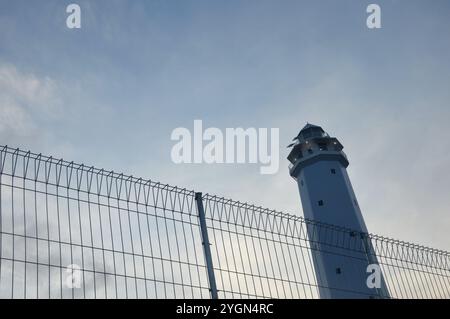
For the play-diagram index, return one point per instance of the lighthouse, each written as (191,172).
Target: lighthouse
(319,167)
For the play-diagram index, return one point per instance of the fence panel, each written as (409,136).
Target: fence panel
(261,253)
(126,237)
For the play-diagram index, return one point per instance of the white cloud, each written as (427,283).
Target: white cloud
(25,99)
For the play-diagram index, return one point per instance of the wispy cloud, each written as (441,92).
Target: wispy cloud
(24,99)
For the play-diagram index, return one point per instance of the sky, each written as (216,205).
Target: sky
(111,93)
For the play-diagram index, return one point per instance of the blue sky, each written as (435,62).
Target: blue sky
(111,93)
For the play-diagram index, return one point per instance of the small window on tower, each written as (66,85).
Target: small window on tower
(310,151)
(333,171)
(320,202)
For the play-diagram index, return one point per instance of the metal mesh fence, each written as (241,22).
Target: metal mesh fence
(130,238)
(261,253)
(126,237)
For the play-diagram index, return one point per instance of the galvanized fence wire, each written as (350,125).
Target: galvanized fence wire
(262,253)
(130,238)
(135,238)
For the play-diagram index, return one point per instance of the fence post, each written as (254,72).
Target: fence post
(206,248)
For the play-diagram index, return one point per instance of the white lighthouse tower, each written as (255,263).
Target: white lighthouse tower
(318,164)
